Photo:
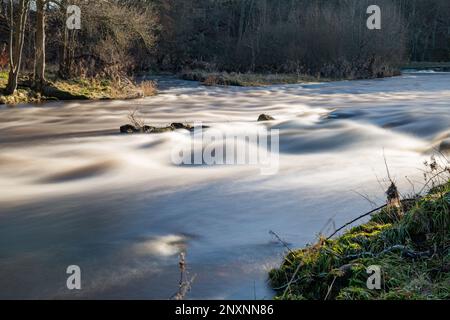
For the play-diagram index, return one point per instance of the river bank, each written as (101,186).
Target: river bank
(409,245)
(76,89)
(126,89)
(237,79)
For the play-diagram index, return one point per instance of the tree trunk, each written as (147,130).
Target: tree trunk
(13,79)
(17,39)
(39,64)
(64,68)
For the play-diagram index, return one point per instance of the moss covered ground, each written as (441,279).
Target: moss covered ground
(411,245)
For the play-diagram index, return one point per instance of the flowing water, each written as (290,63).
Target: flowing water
(75,192)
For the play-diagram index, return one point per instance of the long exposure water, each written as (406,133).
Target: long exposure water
(73,191)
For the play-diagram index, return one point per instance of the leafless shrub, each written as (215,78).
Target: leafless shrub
(211,81)
(135,119)
(185,281)
(436,173)
(149,88)
(116,39)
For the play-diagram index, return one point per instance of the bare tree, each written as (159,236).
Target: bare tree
(39,61)
(17,21)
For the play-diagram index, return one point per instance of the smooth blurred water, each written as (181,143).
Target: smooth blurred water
(75,192)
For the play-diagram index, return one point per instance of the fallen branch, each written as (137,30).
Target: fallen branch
(357,219)
(284,243)
(409,253)
(364,216)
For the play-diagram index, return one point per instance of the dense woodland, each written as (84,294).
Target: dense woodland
(326,38)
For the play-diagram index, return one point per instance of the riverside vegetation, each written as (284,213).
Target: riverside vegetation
(238,42)
(76,89)
(410,242)
(246,79)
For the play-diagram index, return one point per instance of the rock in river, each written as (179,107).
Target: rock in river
(128,129)
(265,117)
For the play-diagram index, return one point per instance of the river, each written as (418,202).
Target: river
(73,191)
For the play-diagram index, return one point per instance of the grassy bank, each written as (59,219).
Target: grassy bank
(76,89)
(210,78)
(246,79)
(411,246)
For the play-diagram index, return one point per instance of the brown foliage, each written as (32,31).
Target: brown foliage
(4,58)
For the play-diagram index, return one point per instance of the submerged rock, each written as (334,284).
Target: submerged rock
(265,117)
(177,126)
(128,128)
(147,129)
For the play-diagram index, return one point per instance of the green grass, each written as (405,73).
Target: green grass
(412,251)
(3,77)
(22,95)
(93,89)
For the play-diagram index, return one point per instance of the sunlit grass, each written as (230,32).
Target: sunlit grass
(3,77)
(412,251)
(77,89)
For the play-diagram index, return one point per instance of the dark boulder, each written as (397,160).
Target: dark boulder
(162,129)
(128,128)
(147,129)
(265,117)
(178,126)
